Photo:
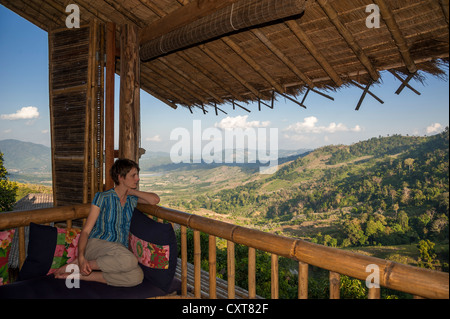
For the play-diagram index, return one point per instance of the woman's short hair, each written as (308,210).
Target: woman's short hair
(122,167)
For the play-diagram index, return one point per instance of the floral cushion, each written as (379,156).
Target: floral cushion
(5,247)
(148,254)
(155,246)
(48,249)
(66,247)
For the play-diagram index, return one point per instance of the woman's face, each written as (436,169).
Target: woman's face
(131,180)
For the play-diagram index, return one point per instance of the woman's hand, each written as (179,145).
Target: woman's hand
(85,268)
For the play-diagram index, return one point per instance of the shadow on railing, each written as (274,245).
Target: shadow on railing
(413,280)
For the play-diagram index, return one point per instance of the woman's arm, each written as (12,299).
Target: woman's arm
(84,236)
(145,197)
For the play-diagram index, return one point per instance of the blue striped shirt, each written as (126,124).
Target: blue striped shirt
(113,222)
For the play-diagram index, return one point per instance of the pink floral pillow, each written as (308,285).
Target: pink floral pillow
(148,254)
(5,247)
(66,247)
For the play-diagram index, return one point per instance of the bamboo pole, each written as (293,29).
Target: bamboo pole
(231,270)
(129,122)
(311,47)
(251,273)
(197,264)
(283,58)
(397,35)
(183,261)
(22,253)
(212,268)
(348,37)
(250,61)
(109,101)
(335,280)
(274,277)
(374,293)
(302,280)
(229,69)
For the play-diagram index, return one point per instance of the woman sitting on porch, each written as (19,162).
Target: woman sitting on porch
(102,249)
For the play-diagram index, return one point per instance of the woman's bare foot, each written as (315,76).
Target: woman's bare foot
(61,272)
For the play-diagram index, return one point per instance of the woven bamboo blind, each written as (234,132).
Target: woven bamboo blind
(240,15)
(76,112)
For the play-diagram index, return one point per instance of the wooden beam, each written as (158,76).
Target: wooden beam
(109,101)
(397,35)
(181,17)
(348,37)
(318,56)
(129,122)
(282,57)
(244,56)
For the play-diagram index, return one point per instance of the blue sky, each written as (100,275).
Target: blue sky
(24,112)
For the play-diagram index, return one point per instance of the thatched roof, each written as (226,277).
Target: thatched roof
(323,45)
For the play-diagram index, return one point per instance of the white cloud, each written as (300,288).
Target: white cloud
(434,128)
(156,138)
(309,125)
(240,122)
(25,113)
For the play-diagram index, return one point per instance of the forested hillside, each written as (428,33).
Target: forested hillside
(383,191)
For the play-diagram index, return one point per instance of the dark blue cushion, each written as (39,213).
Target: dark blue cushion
(156,233)
(48,287)
(41,248)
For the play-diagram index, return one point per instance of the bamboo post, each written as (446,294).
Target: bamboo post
(374,293)
(335,280)
(274,277)
(302,280)
(197,265)
(183,261)
(251,273)
(129,123)
(212,267)
(109,101)
(22,254)
(231,270)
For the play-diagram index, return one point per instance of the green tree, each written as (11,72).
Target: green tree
(427,254)
(7,189)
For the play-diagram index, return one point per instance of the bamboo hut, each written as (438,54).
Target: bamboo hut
(201,54)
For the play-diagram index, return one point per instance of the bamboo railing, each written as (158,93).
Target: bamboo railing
(413,280)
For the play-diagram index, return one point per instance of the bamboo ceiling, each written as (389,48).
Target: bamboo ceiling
(323,46)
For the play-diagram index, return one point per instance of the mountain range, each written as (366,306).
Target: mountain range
(30,158)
